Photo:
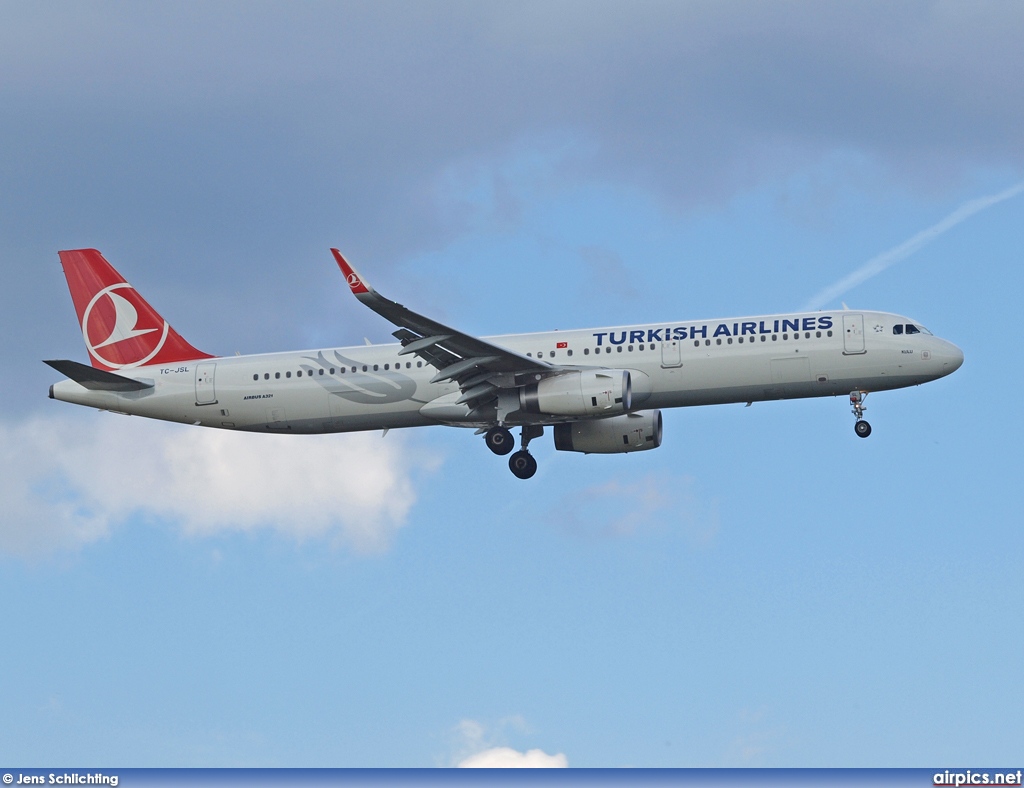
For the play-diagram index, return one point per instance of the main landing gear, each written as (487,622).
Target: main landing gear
(862,428)
(500,441)
(522,464)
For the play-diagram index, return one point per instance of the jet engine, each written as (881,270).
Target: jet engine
(586,393)
(616,435)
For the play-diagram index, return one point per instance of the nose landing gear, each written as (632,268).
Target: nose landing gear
(862,428)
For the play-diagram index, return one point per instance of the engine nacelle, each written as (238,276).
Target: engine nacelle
(587,393)
(617,435)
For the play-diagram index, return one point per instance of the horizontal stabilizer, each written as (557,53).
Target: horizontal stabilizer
(96,379)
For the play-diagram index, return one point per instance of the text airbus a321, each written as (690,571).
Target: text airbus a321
(600,390)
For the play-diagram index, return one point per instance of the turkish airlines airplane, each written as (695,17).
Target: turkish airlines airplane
(600,390)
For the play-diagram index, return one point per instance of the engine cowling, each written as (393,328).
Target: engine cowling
(586,393)
(617,435)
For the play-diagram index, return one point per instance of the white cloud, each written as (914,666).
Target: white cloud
(478,748)
(66,483)
(507,758)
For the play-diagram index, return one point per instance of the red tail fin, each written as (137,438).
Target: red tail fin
(120,328)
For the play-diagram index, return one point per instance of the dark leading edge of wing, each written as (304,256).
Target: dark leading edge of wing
(479,367)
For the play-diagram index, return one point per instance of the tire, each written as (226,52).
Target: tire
(499,440)
(862,428)
(522,464)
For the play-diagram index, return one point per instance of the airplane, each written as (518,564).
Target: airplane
(600,390)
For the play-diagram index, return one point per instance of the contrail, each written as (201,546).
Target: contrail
(878,264)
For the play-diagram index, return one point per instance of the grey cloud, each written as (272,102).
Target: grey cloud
(606,275)
(691,99)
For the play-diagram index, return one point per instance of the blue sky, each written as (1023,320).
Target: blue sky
(765,589)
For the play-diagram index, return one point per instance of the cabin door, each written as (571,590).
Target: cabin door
(853,334)
(206,392)
(671,353)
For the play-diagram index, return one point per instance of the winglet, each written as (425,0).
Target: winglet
(355,281)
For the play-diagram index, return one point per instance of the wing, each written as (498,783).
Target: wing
(479,367)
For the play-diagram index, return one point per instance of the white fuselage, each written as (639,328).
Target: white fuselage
(670,364)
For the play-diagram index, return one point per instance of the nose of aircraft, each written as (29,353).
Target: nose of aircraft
(952,358)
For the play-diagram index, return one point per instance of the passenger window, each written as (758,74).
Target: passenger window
(630,348)
(287,374)
(818,334)
(266,376)
(696,343)
(707,342)
(586,351)
(619,348)
(256,376)
(764,338)
(375,367)
(775,337)
(785,336)
(277,375)
(419,363)
(386,367)
(364,368)
(830,333)
(718,342)
(569,352)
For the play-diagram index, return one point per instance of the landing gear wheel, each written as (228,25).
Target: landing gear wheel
(499,440)
(857,397)
(522,464)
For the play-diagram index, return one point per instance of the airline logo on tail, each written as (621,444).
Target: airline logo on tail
(121,330)
(112,319)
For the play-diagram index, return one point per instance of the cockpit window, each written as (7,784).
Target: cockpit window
(897,330)
(912,329)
